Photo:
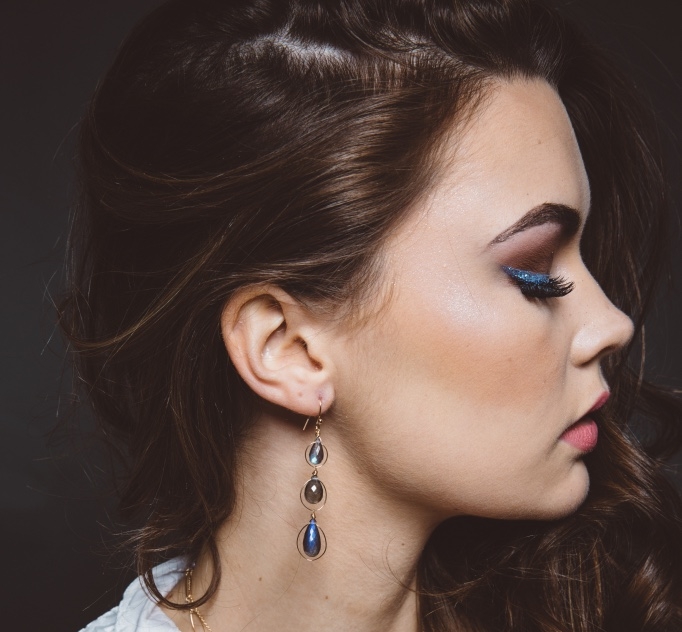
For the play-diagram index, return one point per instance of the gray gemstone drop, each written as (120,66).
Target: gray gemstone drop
(313,491)
(316,454)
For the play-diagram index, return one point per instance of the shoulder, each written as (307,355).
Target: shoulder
(137,611)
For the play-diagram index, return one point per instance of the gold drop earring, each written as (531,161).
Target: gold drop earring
(312,542)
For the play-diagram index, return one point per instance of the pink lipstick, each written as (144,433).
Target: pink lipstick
(601,400)
(582,434)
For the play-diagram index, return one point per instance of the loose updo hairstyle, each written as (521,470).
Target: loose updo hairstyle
(238,142)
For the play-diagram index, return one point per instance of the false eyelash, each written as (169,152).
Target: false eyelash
(536,285)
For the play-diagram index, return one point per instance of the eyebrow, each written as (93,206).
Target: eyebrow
(568,218)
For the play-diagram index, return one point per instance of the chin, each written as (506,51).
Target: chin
(570,496)
(556,502)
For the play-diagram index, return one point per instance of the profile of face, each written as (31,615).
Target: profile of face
(456,394)
(453,394)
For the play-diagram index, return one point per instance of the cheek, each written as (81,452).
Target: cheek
(469,386)
(493,352)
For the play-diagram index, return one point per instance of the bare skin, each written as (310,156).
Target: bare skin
(451,401)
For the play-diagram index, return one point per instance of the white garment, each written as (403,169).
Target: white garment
(138,612)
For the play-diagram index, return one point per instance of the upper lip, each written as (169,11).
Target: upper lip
(598,403)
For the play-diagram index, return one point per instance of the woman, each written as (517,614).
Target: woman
(427,233)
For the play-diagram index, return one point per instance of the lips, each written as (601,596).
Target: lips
(601,400)
(583,433)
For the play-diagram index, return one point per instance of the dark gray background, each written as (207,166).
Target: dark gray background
(57,570)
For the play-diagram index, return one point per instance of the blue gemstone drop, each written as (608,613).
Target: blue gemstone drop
(316,454)
(311,539)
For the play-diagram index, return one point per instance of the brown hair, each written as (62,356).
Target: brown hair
(238,142)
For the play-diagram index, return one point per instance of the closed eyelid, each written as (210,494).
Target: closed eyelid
(528,276)
(536,259)
(532,249)
(530,253)
(538,285)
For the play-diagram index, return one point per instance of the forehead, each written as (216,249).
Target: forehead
(517,151)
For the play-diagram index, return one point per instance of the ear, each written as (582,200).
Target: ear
(279,348)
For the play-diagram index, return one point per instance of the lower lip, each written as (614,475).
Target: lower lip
(582,435)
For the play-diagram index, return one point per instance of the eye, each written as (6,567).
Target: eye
(536,285)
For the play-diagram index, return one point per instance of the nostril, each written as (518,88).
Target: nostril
(609,350)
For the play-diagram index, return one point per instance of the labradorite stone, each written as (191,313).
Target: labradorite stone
(311,540)
(313,491)
(316,454)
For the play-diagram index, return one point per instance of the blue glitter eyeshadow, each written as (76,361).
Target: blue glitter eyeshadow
(537,285)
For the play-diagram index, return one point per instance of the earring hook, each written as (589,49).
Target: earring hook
(319,417)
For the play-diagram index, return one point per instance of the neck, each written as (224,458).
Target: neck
(365,580)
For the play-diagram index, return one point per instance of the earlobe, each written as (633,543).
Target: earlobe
(279,348)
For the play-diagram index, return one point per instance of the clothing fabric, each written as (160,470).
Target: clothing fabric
(138,612)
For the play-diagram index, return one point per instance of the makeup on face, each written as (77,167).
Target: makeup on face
(460,359)
(583,434)
(533,258)
(537,285)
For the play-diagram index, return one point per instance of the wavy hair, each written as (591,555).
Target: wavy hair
(235,142)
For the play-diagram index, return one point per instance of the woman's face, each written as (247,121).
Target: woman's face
(456,394)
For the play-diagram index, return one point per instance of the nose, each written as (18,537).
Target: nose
(602,328)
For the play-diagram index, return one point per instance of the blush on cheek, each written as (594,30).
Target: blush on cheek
(499,357)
